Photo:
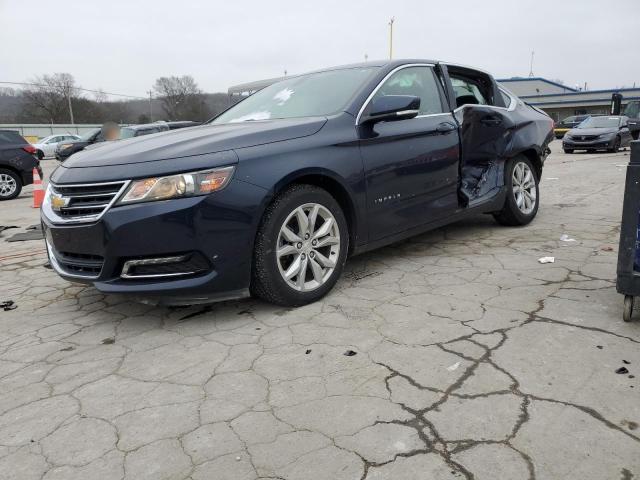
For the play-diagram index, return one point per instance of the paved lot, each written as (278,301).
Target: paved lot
(452,355)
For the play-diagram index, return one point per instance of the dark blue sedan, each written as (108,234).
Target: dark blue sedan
(273,195)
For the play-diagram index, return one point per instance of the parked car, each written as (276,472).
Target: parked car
(145,129)
(274,194)
(598,133)
(632,111)
(568,123)
(17,161)
(46,147)
(65,149)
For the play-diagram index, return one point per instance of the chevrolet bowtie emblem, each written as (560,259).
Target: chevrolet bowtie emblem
(58,201)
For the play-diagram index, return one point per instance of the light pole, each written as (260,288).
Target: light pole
(70,109)
(391,37)
(150,106)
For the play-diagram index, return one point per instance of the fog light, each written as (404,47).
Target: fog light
(174,266)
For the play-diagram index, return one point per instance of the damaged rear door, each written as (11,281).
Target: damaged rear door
(486,128)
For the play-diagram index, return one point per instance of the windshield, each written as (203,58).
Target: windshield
(314,94)
(87,135)
(600,122)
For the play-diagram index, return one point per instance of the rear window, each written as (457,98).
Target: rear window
(7,136)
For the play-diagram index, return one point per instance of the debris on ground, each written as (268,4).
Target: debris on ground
(566,238)
(453,367)
(6,227)
(547,259)
(350,353)
(622,370)
(307,352)
(606,248)
(7,305)
(552,178)
(626,362)
(108,341)
(34,232)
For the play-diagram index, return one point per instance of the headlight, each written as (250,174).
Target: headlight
(607,135)
(177,186)
(65,145)
(566,135)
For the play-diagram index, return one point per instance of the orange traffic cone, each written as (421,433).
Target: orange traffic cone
(38,192)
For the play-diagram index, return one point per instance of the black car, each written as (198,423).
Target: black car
(608,133)
(274,194)
(17,161)
(561,128)
(65,149)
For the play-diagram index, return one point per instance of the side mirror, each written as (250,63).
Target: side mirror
(389,108)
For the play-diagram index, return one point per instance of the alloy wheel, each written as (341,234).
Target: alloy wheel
(524,188)
(7,185)
(308,247)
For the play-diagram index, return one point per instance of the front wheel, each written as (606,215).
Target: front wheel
(568,150)
(521,204)
(10,184)
(300,248)
(616,146)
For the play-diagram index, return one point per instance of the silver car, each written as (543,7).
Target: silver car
(46,147)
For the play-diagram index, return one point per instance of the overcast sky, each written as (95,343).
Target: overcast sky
(123,46)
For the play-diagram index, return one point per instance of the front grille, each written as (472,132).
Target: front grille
(585,138)
(82,202)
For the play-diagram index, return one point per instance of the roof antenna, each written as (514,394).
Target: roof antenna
(531,64)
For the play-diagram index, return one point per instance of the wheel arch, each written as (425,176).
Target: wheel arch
(332,183)
(534,158)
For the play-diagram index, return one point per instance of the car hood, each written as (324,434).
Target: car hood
(592,131)
(200,140)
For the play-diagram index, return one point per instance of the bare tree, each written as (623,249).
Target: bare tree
(49,97)
(181,97)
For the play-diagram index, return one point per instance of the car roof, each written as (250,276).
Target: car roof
(145,126)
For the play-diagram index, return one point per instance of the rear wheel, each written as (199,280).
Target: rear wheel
(521,204)
(10,184)
(40,154)
(300,248)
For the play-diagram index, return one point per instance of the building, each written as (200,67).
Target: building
(560,101)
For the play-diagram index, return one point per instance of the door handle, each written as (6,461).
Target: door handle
(491,121)
(445,127)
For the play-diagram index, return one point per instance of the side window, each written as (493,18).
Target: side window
(467,92)
(417,81)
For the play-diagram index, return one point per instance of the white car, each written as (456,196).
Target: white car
(46,147)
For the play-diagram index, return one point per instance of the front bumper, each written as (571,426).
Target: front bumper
(597,144)
(219,228)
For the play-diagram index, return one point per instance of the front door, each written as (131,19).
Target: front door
(411,166)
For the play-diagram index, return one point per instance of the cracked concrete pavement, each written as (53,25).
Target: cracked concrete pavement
(472,360)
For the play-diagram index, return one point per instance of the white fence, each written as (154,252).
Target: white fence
(43,129)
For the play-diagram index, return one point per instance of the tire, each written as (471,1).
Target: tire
(10,184)
(616,146)
(512,214)
(568,150)
(269,272)
(40,154)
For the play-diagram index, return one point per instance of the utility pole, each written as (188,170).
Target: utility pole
(366,57)
(150,92)
(391,37)
(70,108)
(531,64)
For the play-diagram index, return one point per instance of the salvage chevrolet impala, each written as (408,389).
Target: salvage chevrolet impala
(273,195)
